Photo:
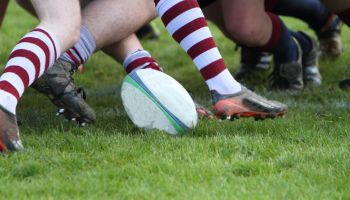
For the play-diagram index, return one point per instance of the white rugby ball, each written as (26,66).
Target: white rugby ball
(154,100)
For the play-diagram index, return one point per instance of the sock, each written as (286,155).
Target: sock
(186,23)
(304,41)
(82,50)
(345,16)
(140,59)
(33,54)
(313,12)
(281,43)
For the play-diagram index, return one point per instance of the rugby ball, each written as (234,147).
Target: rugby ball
(154,100)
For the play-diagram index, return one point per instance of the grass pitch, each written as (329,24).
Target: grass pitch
(302,156)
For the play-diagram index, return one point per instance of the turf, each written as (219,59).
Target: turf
(302,156)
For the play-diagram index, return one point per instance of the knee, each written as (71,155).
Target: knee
(245,33)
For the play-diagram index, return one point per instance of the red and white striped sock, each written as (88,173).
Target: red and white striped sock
(140,59)
(82,50)
(30,58)
(186,23)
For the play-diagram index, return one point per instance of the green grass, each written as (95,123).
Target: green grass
(302,156)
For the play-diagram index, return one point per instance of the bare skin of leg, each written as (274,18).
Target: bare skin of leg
(120,50)
(55,14)
(337,5)
(119,39)
(244,21)
(117,23)
(3,8)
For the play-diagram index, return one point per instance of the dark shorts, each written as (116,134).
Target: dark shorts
(84,3)
(269,4)
(205,3)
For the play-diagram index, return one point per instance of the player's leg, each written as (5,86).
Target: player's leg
(322,21)
(250,58)
(115,34)
(326,25)
(34,53)
(51,18)
(248,24)
(57,84)
(130,16)
(186,23)
(292,51)
(117,24)
(131,54)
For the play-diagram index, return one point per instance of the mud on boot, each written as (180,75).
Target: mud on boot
(58,85)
